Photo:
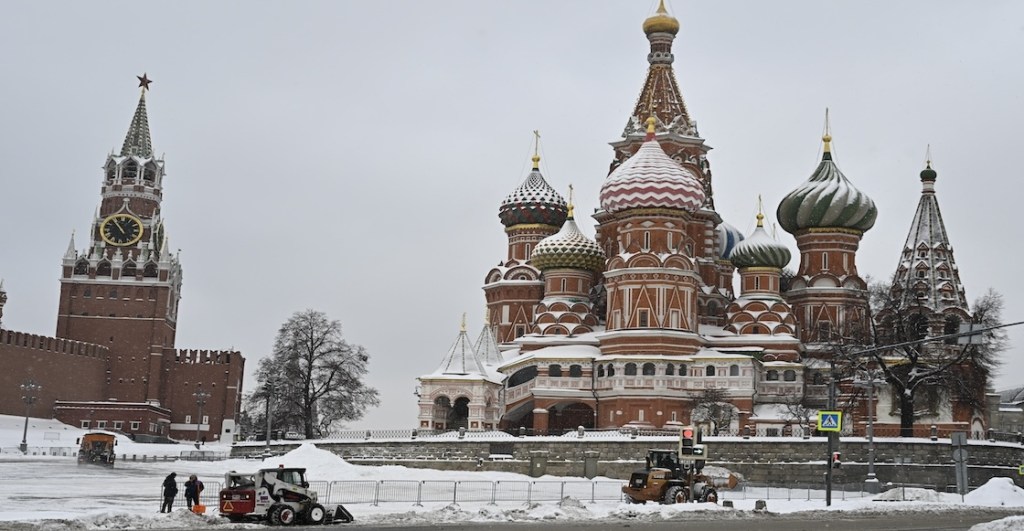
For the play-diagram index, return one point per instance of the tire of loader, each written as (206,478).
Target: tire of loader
(315,514)
(273,517)
(676,494)
(283,515)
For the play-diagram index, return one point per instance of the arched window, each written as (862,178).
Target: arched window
(648,369)
(710,370)
(789,375)
(150,271)
(103,269)
(611,370)
(522,376)
(575,371)
(113,293)
(130,171)
(917,327)
(600,371)
(682,370)
(555,370)
(734,370)
(150,173)
(111,171)
(772,375)
(951,326)
(128,270)
(670,370)
(82,267)
(630,369)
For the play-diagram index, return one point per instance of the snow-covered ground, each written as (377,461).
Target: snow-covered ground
(55,493)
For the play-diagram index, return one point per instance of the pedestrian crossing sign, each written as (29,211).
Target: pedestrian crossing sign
(830,420)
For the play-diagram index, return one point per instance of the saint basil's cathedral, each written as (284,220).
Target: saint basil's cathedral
(640,326)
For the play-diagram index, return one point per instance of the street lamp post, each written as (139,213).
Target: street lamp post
(271,389)
(201,397)
(29,389)
(868,378)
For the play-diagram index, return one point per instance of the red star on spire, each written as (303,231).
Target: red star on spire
(144,81)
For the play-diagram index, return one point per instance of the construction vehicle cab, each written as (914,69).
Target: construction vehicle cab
(280,496)
(97,448)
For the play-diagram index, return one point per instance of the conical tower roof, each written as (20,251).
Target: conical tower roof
(927,274)
(486,347)
(660,96)
(461,359)
(137,142)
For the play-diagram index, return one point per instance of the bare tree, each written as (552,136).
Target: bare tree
(318,376)
(713,406)
(921,371)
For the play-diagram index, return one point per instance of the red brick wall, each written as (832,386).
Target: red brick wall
(67,370)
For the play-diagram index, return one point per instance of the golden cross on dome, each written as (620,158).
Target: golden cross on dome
(760,211)
(144,81)
(463,328)
(536,149)
(570,202)
(827,137)
(928,156)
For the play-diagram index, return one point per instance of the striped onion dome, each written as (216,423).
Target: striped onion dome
(651,179)
(533,202)
(728,237)
(568,248)
(826,200)
(760,250)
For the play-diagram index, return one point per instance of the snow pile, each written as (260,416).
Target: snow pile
(178,519)
(914,494)
(323,464)
(997,492)
(1012,523)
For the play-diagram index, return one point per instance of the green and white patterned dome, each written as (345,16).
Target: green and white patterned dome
(760,250)
(826,200)
(568,248)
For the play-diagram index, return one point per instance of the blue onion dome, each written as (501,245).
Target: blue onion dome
(826,200)
(651,179)
(728,237)
(760,250)
(661,22)
(568,248)
(533,202)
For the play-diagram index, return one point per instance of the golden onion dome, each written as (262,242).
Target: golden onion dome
(661,22)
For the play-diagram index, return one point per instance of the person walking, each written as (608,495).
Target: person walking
(170,492)
(193,488)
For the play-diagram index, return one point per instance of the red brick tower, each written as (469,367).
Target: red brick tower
(651,279)
(122,291)
(676,132)
(532,212)
(827,215)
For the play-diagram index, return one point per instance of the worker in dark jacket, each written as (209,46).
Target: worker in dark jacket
(170,492)
(193,488)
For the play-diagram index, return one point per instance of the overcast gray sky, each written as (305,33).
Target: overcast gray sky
(350,157)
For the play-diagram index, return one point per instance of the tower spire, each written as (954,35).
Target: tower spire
(570,216)
(536,149)
(827,139)
(137,142)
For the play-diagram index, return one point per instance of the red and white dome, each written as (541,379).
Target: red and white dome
(651,179)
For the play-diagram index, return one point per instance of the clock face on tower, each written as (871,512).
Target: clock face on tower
(121,230)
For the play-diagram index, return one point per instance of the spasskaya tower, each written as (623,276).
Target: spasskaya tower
(122,291)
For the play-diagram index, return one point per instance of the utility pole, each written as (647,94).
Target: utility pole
(831,434)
